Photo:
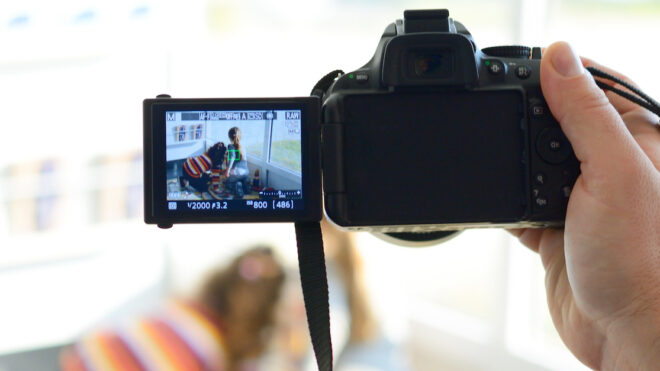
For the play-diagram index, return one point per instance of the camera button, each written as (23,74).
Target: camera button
(555,145)
(566,191)
(361,77)
(537,108)
(523,72)
(540,179)
(552,146)
(495,67)
(541,201)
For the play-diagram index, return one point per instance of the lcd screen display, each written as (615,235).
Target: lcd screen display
(216,159)
(223,160)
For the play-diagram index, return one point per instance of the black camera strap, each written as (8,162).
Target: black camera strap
(634,95)
(313,277)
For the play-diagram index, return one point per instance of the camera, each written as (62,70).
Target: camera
(432,134)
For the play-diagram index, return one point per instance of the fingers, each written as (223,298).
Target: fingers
(528,237)
(642,124)
(646,133)
(636,118)
(548,242)
(621,104)
(595,129)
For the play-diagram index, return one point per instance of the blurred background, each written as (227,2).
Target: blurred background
(74,251)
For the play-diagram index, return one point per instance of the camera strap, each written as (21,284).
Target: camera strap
(314,281)
(635,95)
(313,276)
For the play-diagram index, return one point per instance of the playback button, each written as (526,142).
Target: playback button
(537,109)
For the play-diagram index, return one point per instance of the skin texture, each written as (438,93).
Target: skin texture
(603,268)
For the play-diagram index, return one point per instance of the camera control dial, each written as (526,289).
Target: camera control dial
(509,51)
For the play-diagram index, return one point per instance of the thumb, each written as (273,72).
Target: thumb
(596,131)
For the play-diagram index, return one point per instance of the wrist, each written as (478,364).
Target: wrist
(633,344)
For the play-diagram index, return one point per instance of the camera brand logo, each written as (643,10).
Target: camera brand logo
(293,115)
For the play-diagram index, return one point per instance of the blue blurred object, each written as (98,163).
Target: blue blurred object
(140,11)
(85,16)
(19,21)
(379,354)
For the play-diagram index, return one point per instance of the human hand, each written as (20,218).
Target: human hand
(603,268)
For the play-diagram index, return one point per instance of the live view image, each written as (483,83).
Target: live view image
(224,155)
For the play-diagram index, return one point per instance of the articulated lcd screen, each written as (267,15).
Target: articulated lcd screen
(226,160)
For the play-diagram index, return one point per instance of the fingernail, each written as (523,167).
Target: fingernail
(565,61)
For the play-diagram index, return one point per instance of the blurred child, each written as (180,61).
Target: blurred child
(224,328)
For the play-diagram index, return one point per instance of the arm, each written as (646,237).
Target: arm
(231,158)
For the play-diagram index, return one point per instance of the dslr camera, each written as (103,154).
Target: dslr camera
(432,134)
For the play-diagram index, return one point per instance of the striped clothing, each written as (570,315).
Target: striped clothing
(198,165)
(184,336)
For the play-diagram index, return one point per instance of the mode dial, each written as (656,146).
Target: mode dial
(509,51)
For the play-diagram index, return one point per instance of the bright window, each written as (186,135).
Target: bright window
(285,146)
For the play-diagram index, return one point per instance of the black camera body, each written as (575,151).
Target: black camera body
(432,134)
(435,134)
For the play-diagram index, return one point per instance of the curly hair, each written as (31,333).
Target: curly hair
(217,153)
(245,295)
